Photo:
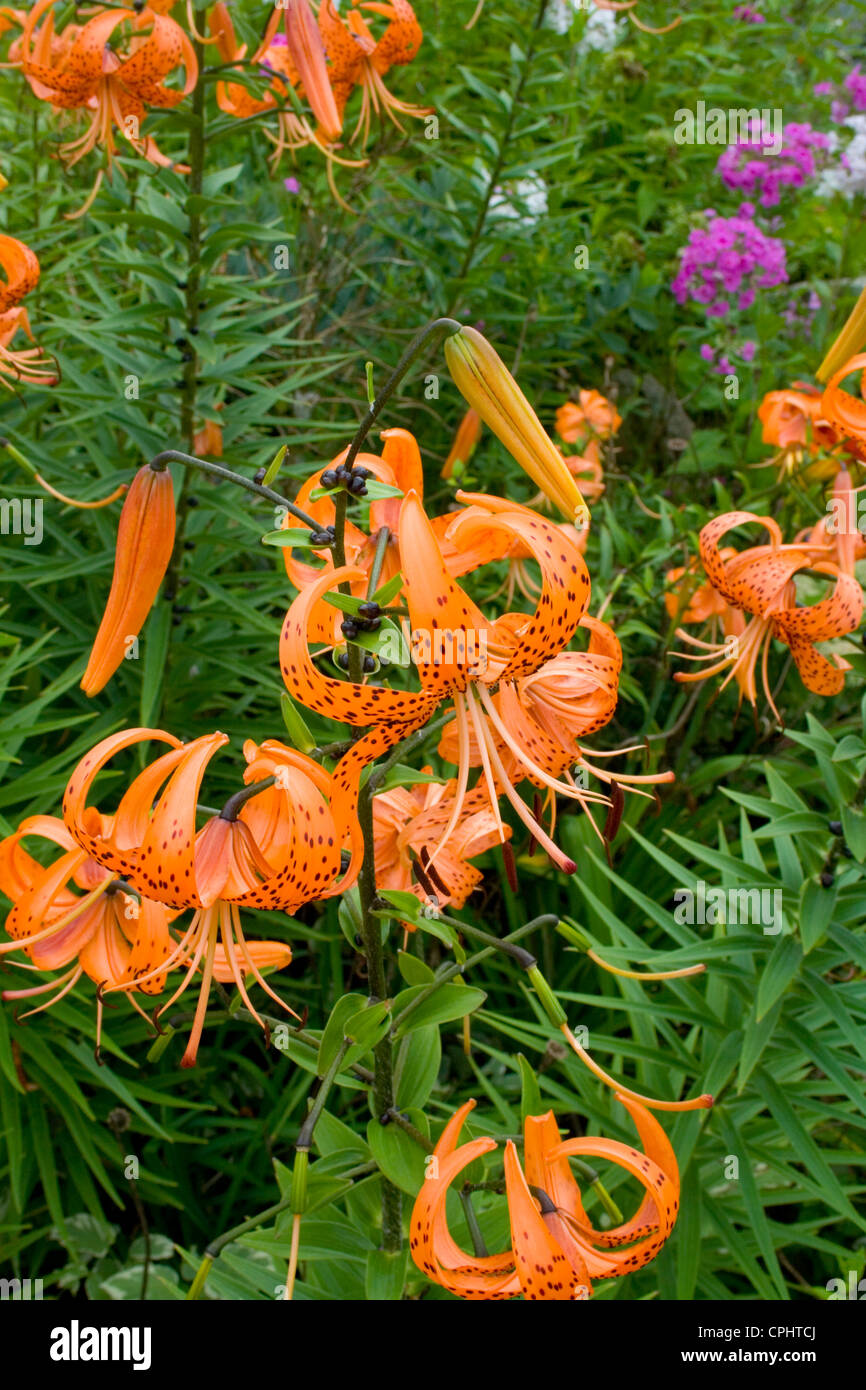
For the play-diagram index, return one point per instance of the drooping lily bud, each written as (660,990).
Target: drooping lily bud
(145,539)
(307,51)
(485,383)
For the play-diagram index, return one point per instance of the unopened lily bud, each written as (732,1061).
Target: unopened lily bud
(145,539)
(546,997)
(307,51)
(485,383)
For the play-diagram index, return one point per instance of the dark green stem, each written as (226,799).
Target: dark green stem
(220,471)
(438,328)
(383,1064)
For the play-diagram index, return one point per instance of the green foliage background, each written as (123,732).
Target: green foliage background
(775,1026)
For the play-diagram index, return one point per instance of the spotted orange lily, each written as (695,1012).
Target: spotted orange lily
(145,539)
(794,420)
(357,59)
(846,413)
(459,654)
(276,55)
(555,1251)
(21,268)
(110,935)
(275,846)
(408,824)
(115,87)
(759,581)
(540,721)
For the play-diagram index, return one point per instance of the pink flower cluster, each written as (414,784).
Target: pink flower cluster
(850,96)
(724,264)
(750,167)
(748,15)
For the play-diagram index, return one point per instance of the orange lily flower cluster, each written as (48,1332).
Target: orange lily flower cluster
(555,1250)
(760,583)
(827,426)
(296,59)
(357,59)
(21,268)
(80,69)
(323,59)
(276,844)
(521,702)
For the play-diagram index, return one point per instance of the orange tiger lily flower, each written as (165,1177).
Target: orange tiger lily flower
(457,653)
(21,269)
(408,824)
(232,97)
(277,54)
(109,935)
(845,413)
(115,88)
(276,847)
(29,365)
(595,417)
(759,581)
(307,49)
(555,1251)
(357,59)
(538,724)
(145,540)
(795,421)
(521,577)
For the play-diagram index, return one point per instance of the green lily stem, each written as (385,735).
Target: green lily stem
(217,1246)
(394,1117)
(382,538)
(232,808)
(192,310)
(446,973)
(220,471)
(383,1062)
(478,1242)
(438,328)
(305,1137)
(356,654)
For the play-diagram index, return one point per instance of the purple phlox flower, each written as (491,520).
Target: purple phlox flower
(729,258)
